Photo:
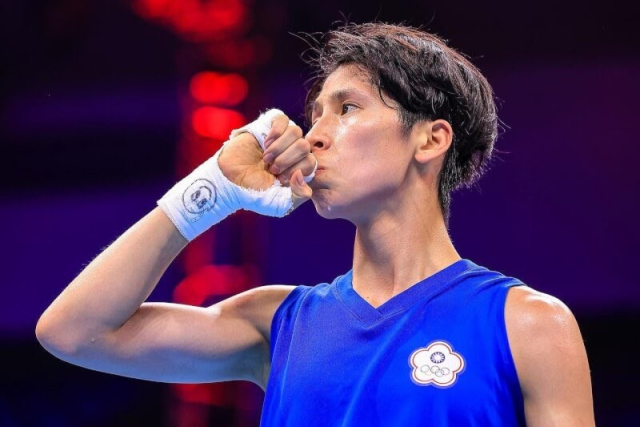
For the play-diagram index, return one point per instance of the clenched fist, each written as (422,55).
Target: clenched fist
(287,157)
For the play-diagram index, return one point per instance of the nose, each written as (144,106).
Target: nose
(318,136)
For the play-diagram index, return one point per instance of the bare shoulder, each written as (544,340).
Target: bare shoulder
(537,321)
(528,310)
(550,358)
(258,305)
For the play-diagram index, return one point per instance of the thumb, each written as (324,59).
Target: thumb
(301,191)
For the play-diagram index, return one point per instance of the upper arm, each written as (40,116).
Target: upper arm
(550,359)
(179,343)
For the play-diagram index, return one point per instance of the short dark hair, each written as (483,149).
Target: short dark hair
(428,80)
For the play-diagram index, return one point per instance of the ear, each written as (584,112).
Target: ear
(432,139)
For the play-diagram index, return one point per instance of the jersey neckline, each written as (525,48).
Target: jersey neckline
(429,287)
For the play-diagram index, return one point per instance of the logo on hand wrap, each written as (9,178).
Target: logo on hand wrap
(436,364)
(198,198)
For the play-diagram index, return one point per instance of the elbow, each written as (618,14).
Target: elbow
(55,339)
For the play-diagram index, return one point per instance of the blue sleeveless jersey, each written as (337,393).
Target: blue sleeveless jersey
(435,354)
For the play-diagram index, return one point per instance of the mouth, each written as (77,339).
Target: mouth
(317,182)
(320,171)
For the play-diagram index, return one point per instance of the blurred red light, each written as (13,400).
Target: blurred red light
(197,20)
(151,9)
(237,53)
(222,89)
(216,123)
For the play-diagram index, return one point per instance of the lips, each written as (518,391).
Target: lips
(316,181)
(320,167)
(319,171)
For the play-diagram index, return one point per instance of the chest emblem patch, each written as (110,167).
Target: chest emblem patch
(436,364)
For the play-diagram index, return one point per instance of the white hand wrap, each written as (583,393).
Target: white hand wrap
(205,197)
(260,129)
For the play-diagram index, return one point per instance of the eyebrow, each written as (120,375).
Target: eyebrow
(337,97)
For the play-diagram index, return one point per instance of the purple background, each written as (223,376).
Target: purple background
(89,122)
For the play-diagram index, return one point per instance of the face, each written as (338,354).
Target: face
(362,155)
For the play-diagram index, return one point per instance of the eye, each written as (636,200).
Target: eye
(348,108)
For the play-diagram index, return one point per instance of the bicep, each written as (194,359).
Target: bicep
(550,359)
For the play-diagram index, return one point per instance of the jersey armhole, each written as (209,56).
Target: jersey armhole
(276,321)
(505,346)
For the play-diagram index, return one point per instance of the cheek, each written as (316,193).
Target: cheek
(373,163)
(373,178)
(369,156)
(376,176)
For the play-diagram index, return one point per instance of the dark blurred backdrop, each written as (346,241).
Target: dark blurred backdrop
(95,115)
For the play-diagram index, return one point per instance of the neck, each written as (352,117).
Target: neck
(400,248)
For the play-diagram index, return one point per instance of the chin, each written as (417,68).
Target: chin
(324,207)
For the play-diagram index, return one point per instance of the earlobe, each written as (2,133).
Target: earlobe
(433,139)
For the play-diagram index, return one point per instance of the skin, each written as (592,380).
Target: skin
(382,182)
(393,203)
(550,359)
(369,173)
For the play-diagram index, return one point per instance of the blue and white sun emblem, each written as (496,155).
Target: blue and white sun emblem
(437,357)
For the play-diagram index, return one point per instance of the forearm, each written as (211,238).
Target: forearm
(115,284)
(111,289)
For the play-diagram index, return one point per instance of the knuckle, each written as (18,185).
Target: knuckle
(277,147)
(291,133)
(276,130)
(297,131)
(281,121)
(303,145)
(273,134)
